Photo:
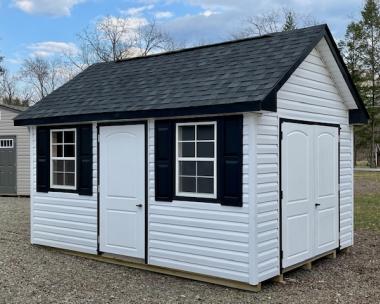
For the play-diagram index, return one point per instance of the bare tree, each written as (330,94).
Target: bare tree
(150,38)
(274,21)
(8,87)
(111,39)
(43,75)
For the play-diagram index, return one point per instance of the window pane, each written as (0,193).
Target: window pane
(205,149)
(205,132)
(187,184)
(57,151)
(186,133)
(70,166)
(205,185)
(205,168)
(186,149)
(69,137)
(187,168)
(58,179)
(69,150)
(58,165)
(69,179)
(57,137)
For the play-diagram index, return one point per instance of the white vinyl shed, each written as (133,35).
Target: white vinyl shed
(14,153)
(230,163)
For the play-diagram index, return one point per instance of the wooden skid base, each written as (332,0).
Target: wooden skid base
(168,271)
(308,264)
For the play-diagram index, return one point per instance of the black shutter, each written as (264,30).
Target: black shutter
(230,164)
(43,159)
(84,159)
(164,140)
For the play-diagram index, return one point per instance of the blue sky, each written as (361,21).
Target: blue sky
(47,27)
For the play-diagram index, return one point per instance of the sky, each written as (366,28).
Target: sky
(49,27)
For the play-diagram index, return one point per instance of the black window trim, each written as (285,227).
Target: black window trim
(218,199)
(57,189)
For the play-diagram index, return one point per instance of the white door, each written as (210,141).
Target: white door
(122,190)
(326,189)
(297,186)
(309,180)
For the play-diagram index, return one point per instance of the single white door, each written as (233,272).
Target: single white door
(309,178)
(122,190)
(297,184)
(326,189)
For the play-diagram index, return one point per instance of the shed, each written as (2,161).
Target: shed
(230,162)
(14,153)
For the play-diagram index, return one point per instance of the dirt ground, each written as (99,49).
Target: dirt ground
(33,274)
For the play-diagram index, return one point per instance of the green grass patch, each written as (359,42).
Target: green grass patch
(367,212)
(367,200)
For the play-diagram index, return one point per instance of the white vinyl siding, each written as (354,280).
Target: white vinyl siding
(310,94)
(200,237)
(64,220)
(22,148)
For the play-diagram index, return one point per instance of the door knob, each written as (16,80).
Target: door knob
(139,205)
(317,204)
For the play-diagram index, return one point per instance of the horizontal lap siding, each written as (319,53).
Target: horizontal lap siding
(206,238)
(311,94)
(22,148)
(64,220)
(267,212)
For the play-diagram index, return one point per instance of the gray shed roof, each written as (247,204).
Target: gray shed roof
(235,76)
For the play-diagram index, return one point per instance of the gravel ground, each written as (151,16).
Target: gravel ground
(33,274)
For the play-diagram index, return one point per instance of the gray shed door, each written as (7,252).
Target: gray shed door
(7,165)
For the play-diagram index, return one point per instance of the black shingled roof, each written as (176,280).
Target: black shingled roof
(235,76)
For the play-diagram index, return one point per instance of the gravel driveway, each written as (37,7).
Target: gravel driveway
(33,274)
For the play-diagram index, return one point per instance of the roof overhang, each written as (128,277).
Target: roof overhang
(250,106)
(326,45)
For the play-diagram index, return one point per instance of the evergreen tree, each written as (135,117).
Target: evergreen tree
(290,21)
(370,48)
(361,51)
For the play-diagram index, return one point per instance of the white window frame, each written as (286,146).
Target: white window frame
(178,159)
(4,143)
(63,187)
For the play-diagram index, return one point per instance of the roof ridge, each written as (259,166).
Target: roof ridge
(219,43)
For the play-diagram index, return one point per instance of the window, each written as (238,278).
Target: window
(63,158)
(6,143)
(196,159)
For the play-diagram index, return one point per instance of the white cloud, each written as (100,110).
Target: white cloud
(47,7)
(208,13)
(164,15)
(51,48)
(136,11)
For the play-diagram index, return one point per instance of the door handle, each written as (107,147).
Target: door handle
(317,204)
(139,205)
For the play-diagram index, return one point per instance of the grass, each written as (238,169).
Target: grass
(367,200)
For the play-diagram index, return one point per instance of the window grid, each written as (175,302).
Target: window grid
(62,158)
(6,143)
(196,159)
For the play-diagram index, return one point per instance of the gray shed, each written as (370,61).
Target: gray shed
(14,153)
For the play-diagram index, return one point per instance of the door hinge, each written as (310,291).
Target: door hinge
(281,255)
(281,194)
(98,137)
(281,135)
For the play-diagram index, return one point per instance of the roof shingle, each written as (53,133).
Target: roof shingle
(242,71)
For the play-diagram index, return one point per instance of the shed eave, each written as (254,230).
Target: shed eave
(249,106)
